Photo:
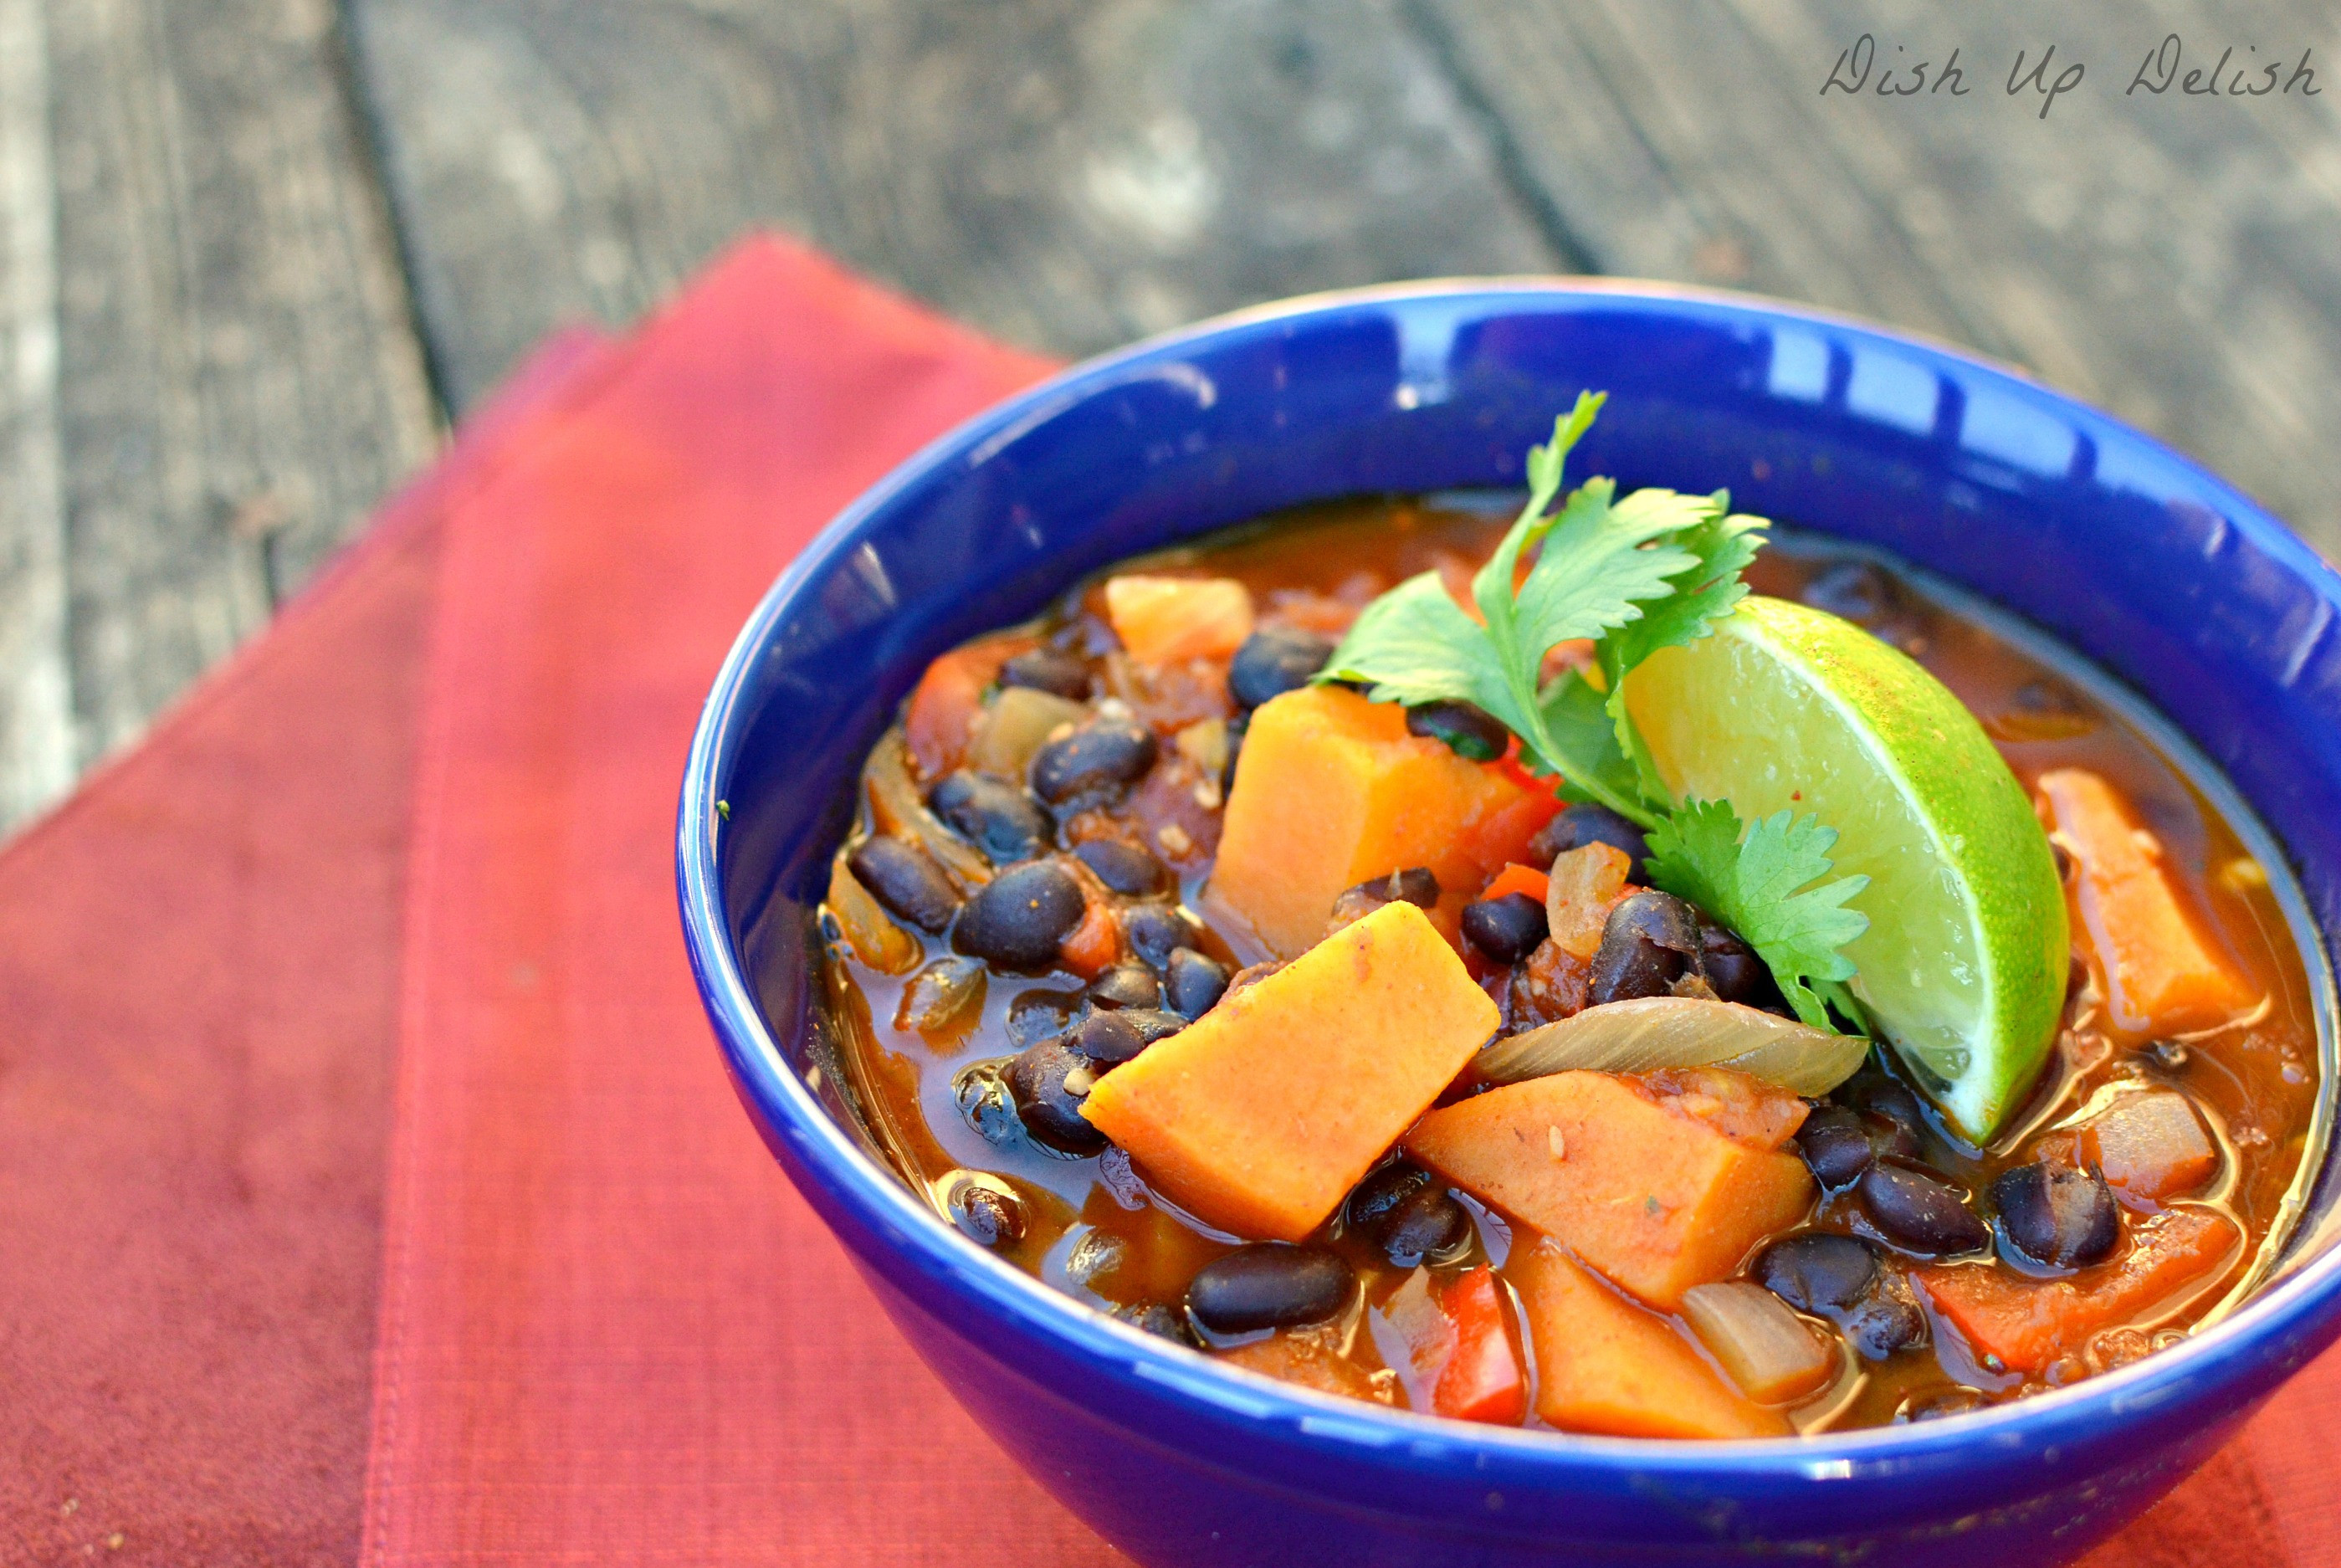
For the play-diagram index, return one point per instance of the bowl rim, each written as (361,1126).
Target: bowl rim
(2292,1311)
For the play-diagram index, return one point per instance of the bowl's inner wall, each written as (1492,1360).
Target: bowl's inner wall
(2087,529)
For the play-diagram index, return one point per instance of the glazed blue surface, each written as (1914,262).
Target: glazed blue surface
(2125,551)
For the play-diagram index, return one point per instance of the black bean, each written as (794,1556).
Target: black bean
(1468,731)
(995,1216)
(1841,1278)
(1051,1112)
(1156,1319)
(1413,886)
(1152,1023)
(2055,1215)
(1094,763)
(1835,1145)
(1859,591)
(998,819)
(1123,867)
(1818,1271)
(1585,824)
(1649,942)
(1896,1123)
(1108,1039)
(906,882)
(981,1089)
(1272,663)
(1047,670)
(1919,1211)
(1505,929)
(1195,983)
(1425,1226)
(1270,1284)
(1021,916)
(1156,933)
(1373,1200)
(1038,1015)
(1887,1320)
(1735,971)
(1125,986)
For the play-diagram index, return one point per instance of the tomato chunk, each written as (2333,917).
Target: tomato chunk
(2025,1324)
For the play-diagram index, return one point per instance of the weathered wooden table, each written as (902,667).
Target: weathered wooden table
(255,255)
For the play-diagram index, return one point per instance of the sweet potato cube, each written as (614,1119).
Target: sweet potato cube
(2025,1324)
(2150,1146)
(2162,974)
(1164,619)
(1604,1365)
(1262,1114)
(1307,1361)
(1636,1182)
(1331,789)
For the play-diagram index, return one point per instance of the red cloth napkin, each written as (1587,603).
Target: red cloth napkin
(609,1330)
(198,1003)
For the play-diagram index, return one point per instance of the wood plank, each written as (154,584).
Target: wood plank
(36,734)
(2178,261)
(1065,173)
(239,381)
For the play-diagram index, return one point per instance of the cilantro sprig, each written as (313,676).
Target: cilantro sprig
(1653,570)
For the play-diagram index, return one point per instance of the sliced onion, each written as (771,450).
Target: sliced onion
(894,803)
(1654,1031)
(869,929)
(1770,1352)
(944,998)
(1018,723)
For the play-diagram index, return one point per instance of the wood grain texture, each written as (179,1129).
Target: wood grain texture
(2176,260)
(238,380)
(36,734)
(1065,173)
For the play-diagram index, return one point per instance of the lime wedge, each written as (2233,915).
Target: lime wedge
(1963,966)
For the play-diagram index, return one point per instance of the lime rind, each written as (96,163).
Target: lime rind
(1963,966)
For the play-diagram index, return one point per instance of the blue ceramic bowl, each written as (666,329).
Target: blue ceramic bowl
(2126,551)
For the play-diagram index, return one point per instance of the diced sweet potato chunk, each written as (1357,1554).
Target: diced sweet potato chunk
(2027,1323)
(1331,789)
(1649,1187)
(2162,974)
(1262,1114)
(1163,619)
(2150,1146)
(1604,1365)
(1298,1358)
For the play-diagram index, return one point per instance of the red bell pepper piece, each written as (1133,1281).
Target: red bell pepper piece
(1482,1380)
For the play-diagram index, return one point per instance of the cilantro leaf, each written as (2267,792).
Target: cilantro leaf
(1754,887)
(1583,738)
(1599,561)
(1417,646)
(1721,544)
